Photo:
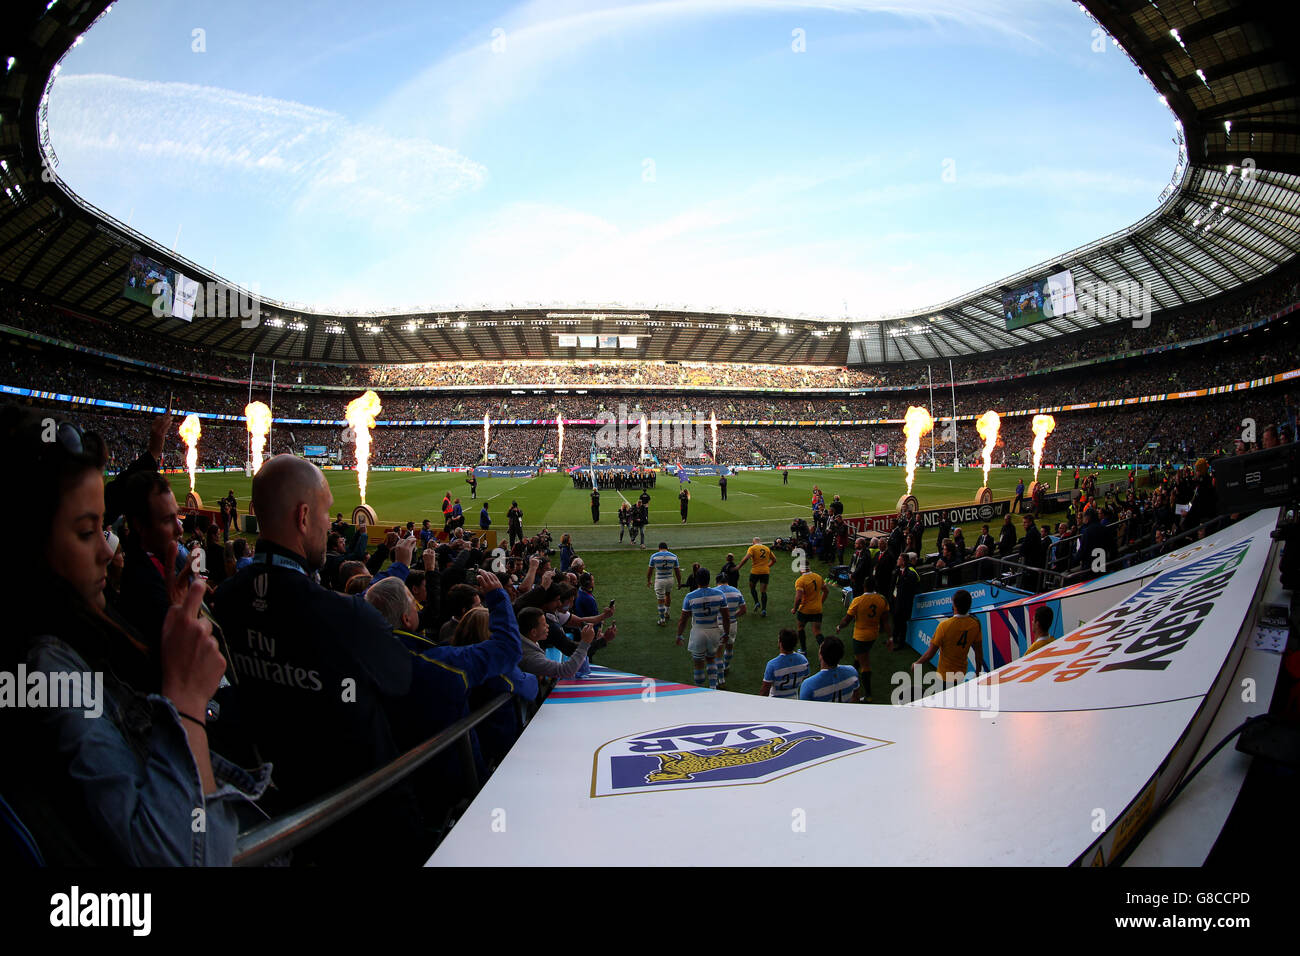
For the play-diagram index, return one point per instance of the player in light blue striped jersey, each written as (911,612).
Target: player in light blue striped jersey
(706,608)
(835,682)
(660,574)
(736,608)
(786,671)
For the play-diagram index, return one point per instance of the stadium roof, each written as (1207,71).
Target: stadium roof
(1231,215)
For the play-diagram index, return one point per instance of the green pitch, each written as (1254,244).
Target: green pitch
(757,505)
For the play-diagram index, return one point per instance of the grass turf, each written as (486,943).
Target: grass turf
(757,504)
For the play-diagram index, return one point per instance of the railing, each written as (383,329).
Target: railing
(268,840)
(1051,578)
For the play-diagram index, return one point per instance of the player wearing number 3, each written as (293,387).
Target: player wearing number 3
(953,640)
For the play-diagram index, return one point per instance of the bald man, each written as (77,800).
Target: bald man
(316,673)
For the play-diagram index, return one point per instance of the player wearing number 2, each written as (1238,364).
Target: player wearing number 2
(953,641)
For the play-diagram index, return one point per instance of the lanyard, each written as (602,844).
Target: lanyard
(279,561)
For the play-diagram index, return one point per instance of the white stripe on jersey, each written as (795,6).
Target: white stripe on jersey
(663,562)
(830,690)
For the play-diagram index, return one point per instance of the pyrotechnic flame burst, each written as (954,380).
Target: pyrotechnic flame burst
(644,426)
(916,425)
(988,425)
(360,415)
(559,423)
(1042,426)
(258,417)
(713,427)
(190,432)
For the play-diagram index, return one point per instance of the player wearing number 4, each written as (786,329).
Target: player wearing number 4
(953,640)
(663,569)
(869,612)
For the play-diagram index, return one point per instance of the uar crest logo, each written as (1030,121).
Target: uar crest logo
(717,755)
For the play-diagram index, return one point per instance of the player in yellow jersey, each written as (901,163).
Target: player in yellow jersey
(953,641)
(763,559)
(869,612)
(809,591)
(1041,629)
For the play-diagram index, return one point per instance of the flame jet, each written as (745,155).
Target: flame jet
(258,420)
(1042,426)
(190,432)
(988,425)
(916,425)
(360,415)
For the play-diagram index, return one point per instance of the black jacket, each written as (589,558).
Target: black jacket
(317,671)
(1007,540)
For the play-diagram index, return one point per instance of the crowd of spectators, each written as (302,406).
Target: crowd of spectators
(1246,357)
(24,311)
(395,622)
(1143,432)
(404,618)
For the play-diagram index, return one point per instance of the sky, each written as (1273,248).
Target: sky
(830,159)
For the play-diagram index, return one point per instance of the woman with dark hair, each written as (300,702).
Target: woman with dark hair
(113,767)
(566,554)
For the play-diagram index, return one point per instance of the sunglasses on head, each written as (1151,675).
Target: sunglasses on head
(67,436)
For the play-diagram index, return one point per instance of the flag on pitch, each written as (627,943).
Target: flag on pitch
(681,474)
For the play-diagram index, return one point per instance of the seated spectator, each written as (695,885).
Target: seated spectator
(154,528)
(443,678)
(458,600)
(533,628)
(116,777)
(498,732)
(316,672)
(358,584)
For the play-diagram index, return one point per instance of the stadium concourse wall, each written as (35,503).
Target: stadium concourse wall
(1061,757)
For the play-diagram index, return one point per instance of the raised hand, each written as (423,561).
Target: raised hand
(192,664)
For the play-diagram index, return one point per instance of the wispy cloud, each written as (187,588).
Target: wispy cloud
(284,153)
(476,82)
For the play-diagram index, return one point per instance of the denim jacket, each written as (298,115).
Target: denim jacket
(135,774)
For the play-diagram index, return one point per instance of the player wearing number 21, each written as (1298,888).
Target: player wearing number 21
(953,640)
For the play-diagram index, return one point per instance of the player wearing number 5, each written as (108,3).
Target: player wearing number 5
(954,639)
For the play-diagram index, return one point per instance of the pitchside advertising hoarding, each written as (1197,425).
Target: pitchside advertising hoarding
(962,514)
(503,471)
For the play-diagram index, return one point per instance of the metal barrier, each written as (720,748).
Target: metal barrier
(268,840)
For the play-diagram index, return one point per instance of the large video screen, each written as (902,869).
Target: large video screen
(1038,301)
(163,290)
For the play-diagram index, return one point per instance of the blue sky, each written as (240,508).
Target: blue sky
(561,152)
